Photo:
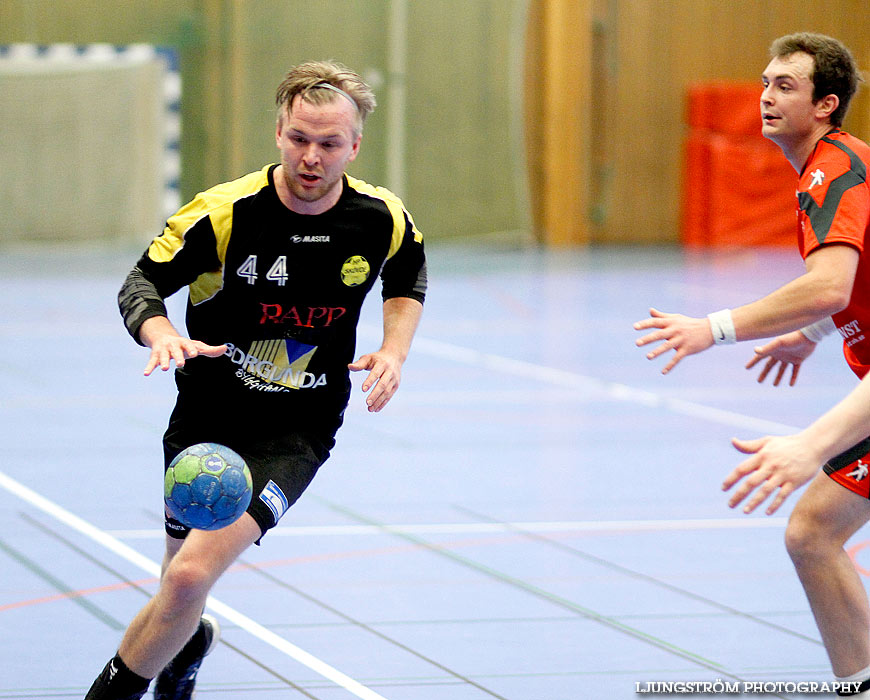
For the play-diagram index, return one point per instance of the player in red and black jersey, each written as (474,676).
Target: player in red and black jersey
(277,264)
(807,88)
(833,204)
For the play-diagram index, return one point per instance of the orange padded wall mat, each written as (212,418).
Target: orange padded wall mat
(738,188)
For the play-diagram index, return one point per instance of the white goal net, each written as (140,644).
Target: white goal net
(89,146)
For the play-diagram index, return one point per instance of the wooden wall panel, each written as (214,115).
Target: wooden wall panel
(645,54)
(662,47)
(559,120)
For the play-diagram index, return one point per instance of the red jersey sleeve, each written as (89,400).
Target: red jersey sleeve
(833,197)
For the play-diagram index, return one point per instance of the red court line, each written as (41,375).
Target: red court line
(289,561)
(853,555)
(76,594)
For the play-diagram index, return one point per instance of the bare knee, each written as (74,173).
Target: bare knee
(803,538)
(186,581)
(823,520)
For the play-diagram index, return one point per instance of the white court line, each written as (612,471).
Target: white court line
(566,379)
(455,353)
(153,568)
(498,528)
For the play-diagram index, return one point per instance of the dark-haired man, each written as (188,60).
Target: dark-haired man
(807,87)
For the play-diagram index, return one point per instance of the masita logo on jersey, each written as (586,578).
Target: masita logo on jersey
(309,239)
(276,365)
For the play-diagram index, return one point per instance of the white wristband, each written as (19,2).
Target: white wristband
(722,326)
(818,330)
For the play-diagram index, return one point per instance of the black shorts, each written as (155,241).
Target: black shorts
(852,468)
(282,460)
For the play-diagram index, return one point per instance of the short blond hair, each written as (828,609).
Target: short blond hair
(322,82)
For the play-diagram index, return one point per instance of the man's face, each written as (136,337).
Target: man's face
(316,144)
(787,110)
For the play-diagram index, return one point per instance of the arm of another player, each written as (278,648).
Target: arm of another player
(167,344)
(401,317)
(788,462)
(822,290)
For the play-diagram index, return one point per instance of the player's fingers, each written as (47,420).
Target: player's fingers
(380,404)
(212,350)
(759,497)
(766,370)
(737,497)
(674,362)
(755,359)
(378,367)
(741,470)
(376,401)
(795,368)
(644,324)
(765,487)
(164,357)
(386,396)
(744,490)
(732,478)
(755,474)
(363,363)
(783,493)
(782,367)
(153,361)
(384,383)
(651,337)
(380,395)
(660,349)
(387,385)
(748,446)
(178,354)
(767,348)
(373,379)
(652,322)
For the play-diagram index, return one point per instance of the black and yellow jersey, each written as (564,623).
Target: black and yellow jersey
(282,290)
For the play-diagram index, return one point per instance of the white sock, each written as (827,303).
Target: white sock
(859,677)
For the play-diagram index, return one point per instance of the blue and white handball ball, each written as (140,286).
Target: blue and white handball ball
(207,486)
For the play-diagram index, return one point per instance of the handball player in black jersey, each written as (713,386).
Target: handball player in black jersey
(277,265)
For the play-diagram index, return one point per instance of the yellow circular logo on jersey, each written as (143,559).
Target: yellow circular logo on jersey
(355,271)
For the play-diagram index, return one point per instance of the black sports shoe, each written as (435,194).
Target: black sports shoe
(177,680)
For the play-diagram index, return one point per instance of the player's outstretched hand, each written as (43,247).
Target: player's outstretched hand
(785,463)
(168,346)
(385,373)
(179,349)
(790,349)
(682,334)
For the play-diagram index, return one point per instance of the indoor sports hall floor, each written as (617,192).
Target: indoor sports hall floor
(536,516)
